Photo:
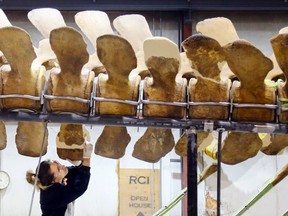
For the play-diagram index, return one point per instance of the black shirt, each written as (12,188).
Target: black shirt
(54,199)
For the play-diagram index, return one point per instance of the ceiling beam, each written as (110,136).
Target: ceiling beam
(148,5)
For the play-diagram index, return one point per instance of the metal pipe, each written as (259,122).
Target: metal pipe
(220,131)
(192,172)
(38,166)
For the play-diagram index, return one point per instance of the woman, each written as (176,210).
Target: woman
(60,185)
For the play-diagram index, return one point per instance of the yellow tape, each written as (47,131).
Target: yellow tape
(262,135)
(211,150)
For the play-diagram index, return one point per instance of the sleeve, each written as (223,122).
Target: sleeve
(76,185)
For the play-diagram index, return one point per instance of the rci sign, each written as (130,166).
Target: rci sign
(139,192)
(139,180)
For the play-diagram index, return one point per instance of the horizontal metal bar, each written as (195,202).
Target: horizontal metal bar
(101,99)
(31,97)
(266,106)
(173,160)
(253,127)
(181,104)
(52,97)
(148,5)
(96,4)
(207,103)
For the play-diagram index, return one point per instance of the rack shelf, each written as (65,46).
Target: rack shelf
(190,125)
(199,124)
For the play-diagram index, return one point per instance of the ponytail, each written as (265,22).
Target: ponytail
(45,177)
(30,177)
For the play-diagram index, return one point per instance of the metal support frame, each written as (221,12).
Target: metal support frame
(220,131)
(192,175)
(191,125)
(138,121)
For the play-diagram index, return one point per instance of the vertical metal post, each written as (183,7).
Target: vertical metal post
(38,166)
(220,131)
(192,195)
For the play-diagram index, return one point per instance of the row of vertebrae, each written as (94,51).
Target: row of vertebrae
(121,60)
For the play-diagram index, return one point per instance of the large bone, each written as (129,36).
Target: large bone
(93,24)
(30,137)
(251,67)
(154,144)
(279,45)
(205,53)
(162,59)
(128,27)
(112,142)
(3,136)
(219,28)
(118,58)
(280,49)
(70,80)
(210,205)
(4,22)
(238,147)
(222,30)
(276,72)
(208,28)
(276,143)
(29,79)
(70,141)
(203,139)
(45,20)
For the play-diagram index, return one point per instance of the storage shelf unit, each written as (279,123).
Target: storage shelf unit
(190,125)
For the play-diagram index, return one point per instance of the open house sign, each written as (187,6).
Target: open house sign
(139,192)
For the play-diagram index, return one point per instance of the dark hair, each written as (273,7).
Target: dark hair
(45,177)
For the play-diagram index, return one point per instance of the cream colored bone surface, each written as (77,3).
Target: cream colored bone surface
(46,19)
(4,21)
(219,28)
(134,28)
(128,27)
(222,30)
(93,24)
